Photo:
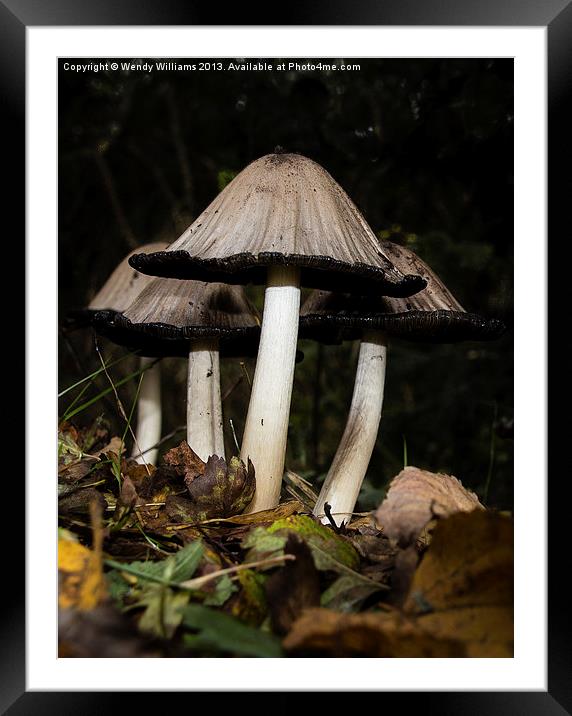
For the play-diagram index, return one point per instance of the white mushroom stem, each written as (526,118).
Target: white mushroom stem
(344,479)
(204,409)
(266,428)
(148,431)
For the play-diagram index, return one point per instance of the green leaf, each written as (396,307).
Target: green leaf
(164,609)
(223,590)
(117,587)
(177,568)
(219,632)
(269,542)
(348,592)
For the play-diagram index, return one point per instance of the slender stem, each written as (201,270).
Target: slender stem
(204,409)
(344,479)
(266,427)
(148,413)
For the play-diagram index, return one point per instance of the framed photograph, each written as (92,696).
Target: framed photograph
(230,231)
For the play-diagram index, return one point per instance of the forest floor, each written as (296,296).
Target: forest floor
(161,561)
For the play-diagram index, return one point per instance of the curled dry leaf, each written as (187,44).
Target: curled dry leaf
(224,489)
(216,488)
(184,461)
(415,497)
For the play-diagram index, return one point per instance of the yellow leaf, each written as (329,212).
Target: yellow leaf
(81,581)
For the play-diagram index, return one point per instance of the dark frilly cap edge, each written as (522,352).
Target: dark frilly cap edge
(321,272)
(163,340)
(424,326)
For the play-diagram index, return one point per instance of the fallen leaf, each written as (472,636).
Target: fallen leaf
(184,461)
(216,488)
(293,587)
(323,632)
(327,547)
(100,633)
(114,445)
(460,602)
(152,586)
(224,588)
(249,605)
(80,500)
(264,517)
(464,584)
(75,471)
(415,497)
(223,489)
(220,633)
(81,582)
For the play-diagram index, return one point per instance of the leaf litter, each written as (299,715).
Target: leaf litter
(162,561)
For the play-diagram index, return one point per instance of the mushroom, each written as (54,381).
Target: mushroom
(282,222)
(116,294)
(432,315)
(196,320)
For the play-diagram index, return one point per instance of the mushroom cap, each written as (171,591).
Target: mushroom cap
(168,313)
(432,315)
(282,209)
(118,292)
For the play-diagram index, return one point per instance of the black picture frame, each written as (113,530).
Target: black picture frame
(556,15)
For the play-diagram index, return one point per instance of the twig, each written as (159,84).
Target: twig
(163,440)
(234,435)
(232,388)
(198,582)
(328,513)
(245,371)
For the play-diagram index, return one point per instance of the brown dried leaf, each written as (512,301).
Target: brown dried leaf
(184,462)
(460,602)
(216,488)
(293,587)
(262,518)
(79,501)
(322,632)
(223,489)
(415,497)
(102,632)
(464,584)
(128,496)
(114,445)
(75,471)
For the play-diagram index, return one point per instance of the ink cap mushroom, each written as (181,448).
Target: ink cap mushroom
(433,315)
(282,222)
(197,320)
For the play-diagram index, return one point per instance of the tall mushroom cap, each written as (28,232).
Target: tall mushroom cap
(282,209)
(119,291)
(168,313)
(432,315)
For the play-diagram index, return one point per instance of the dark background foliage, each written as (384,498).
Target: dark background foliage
(425,149)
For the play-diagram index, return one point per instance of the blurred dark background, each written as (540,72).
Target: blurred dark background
(425,149)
